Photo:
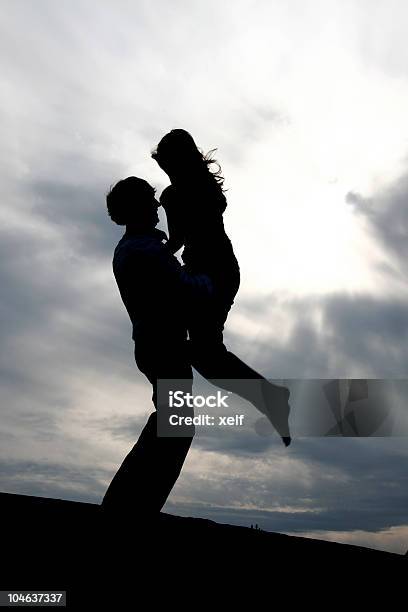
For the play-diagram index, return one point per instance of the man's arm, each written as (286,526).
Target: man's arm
(174,220)
(167,269)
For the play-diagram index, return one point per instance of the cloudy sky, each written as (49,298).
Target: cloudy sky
(306,102)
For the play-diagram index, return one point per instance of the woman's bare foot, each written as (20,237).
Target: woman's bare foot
(277,409)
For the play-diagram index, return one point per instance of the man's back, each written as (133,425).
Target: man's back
(154,288)
(139,266)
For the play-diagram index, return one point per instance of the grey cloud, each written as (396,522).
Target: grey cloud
(360,336)
(360,204)
(321,521)
(387,215)
(351,484)
(80,213)
(369,333)
(125,428)
(58,480)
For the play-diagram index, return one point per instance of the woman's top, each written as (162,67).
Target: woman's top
(194,211)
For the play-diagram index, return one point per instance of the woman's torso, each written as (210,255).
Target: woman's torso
(198,210)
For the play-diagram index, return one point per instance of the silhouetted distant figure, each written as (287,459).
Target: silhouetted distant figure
(194,205)
(155,290)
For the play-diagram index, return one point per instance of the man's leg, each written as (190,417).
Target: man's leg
(148,473)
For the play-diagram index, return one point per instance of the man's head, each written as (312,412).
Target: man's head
(132,202)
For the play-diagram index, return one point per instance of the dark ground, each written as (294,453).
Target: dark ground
(53,544)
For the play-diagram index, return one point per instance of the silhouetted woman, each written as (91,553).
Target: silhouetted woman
(194,205)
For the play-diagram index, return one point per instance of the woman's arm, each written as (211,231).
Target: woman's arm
(175,222)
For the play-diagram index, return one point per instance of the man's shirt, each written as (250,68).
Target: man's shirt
(156,290)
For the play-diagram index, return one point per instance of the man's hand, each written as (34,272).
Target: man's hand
(161,235)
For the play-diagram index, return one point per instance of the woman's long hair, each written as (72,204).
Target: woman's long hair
(178,154)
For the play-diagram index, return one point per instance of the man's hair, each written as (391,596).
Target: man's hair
(129,200)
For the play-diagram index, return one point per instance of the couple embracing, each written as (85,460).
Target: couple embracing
(178,311)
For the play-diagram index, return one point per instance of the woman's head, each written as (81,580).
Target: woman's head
(176,150)
(180,158)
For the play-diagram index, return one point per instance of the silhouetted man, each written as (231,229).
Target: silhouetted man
(156,291)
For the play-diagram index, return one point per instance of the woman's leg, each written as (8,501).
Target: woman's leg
(211,358)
